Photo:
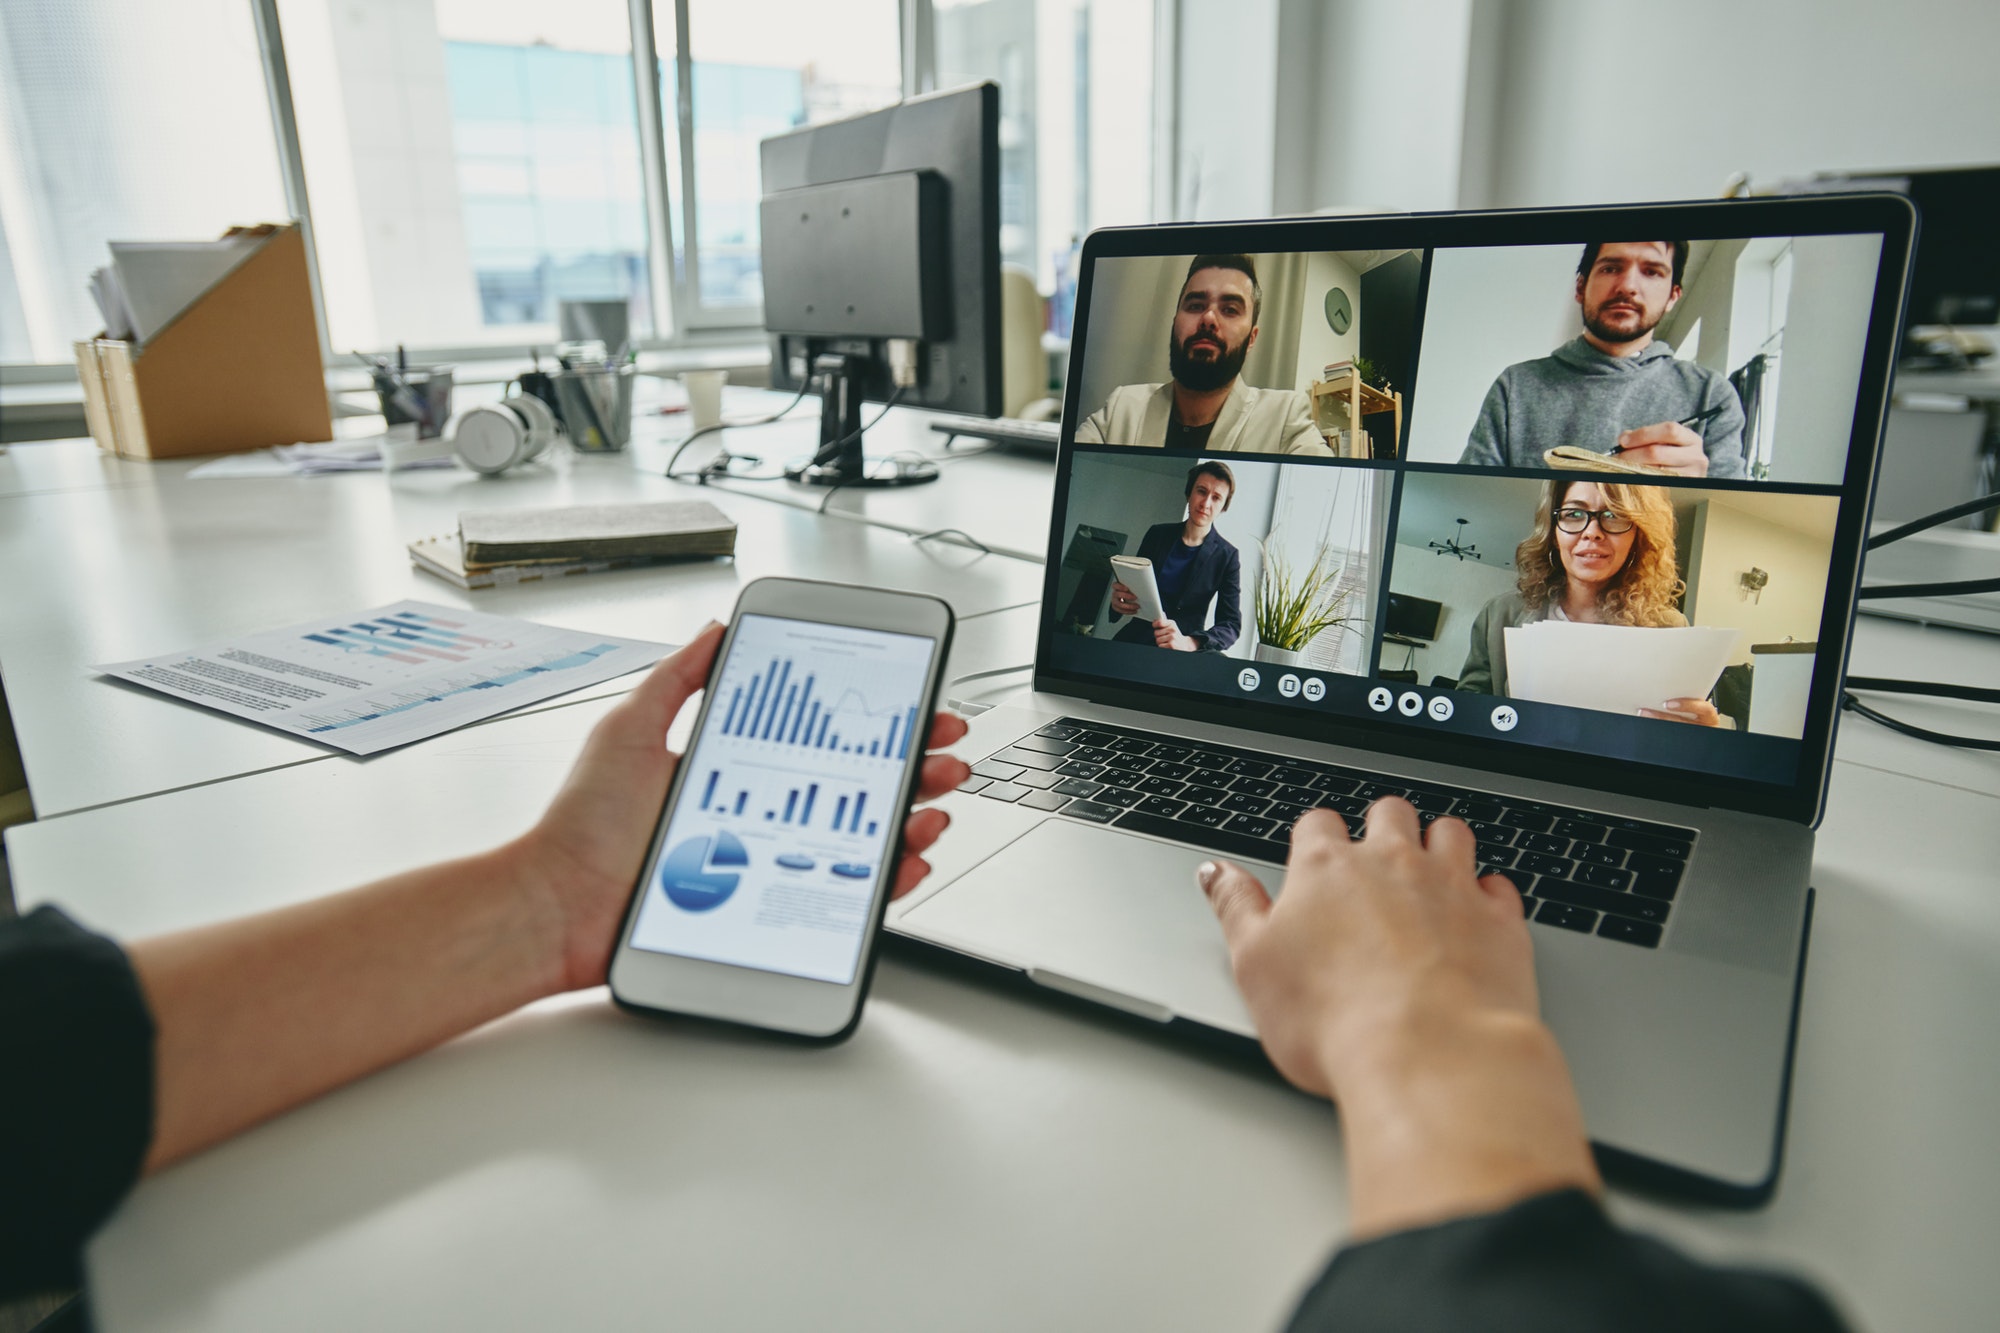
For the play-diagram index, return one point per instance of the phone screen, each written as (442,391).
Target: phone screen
(789,799)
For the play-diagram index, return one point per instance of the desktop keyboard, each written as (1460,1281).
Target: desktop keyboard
(1576,869)
(1041,435)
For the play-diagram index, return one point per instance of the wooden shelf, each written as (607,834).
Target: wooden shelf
(1363,400)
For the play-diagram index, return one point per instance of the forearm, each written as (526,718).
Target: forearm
(258,1015)
(1462,1116)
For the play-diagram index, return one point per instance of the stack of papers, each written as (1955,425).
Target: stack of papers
(364,453)
(149,283)
(1614,668)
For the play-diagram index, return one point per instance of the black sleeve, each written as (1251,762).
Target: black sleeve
(76,1045)
(1553,1264)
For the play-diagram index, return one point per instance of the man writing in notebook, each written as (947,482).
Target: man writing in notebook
(1615,388)
(1206,407)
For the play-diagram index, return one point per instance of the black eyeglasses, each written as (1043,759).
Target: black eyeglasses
(1609,521)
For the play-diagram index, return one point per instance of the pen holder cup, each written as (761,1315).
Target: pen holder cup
(432,386)
(595,404)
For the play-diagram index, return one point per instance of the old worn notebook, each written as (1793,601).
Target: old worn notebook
(656,530)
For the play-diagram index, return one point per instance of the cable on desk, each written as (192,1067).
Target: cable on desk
(851,437)
(965,538)
(710,468)
(1930,688)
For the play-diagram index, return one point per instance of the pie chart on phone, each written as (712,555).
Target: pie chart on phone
(692,874)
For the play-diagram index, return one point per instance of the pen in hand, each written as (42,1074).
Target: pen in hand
(1694,422)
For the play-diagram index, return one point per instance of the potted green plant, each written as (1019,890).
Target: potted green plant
(1292,607)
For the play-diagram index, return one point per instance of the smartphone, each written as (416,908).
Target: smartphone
(762,896)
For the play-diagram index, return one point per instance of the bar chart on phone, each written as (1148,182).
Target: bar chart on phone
(809,732)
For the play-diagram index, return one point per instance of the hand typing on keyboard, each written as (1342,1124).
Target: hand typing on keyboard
(1389,976)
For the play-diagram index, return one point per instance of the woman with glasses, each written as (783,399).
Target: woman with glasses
(1602,553)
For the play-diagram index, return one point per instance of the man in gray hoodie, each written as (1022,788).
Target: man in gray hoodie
(1615,389)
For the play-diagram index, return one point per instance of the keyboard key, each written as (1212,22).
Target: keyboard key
(1131,745)
(1244,804)
(1296,795)
(1548,844)
(1569,918)
(1650,843)
(1079,787)
(1118,777)
(1172,753)
(1371,791)
(1086,754)
(1656,884)
(1337,783)
(1048,763)
(1597,854)
(1073,769)
(1153,786)
(1532,820)
(1061,731)
(1209,759)
(1604,900)
(1253,786)
(1205,815)
(1581,830)
(1118,796)
(1290,776)
(1206,795)
(1537,864)
(1045,744)
(1284,812)
(1604,877)
(1167,768)
(999,772)
(1044,800)
(1497,856)
(974,783)
(1521,879)
(1164,806)
(1209,839)
(1131,763)
(1095,811)
(1484,812)
(1100,739)
(1347,805)
(1039,781)
(1497,835)
(1251,824)
(1005,791)
(1434,801)
(1248,768)
(1642,933)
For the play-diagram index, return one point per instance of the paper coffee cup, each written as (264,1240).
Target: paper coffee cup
(704,391)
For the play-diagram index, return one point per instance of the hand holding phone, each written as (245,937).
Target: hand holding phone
(778,850)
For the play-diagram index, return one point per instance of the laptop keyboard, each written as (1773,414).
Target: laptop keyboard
(1576,869)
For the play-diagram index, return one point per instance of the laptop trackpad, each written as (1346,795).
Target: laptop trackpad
(1093,905)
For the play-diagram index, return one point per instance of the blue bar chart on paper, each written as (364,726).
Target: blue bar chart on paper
(808,735)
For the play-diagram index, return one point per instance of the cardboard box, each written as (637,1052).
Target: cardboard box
(238,369)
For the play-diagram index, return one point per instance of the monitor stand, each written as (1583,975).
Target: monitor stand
(839,461)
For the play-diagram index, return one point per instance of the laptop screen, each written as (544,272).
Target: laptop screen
(1575,498)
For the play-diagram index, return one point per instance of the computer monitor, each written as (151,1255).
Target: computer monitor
(881,263)
(1955,275)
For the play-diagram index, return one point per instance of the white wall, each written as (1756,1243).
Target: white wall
(1390,123)
(1597,101)
(1465,587)
(1227,110)
(1731,537)
(1487,310)
(1318,343)
(1826,328)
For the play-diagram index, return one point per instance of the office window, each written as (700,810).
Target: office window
(120,120)
(1076,115)
(469,163)
(760,67)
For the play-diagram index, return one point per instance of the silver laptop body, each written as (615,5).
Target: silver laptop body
(1676,1002)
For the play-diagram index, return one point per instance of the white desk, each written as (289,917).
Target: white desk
(970,1160)
(160,563)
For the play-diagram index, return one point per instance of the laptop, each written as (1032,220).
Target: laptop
(1303,424)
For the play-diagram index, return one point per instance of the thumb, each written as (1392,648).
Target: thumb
(1239,900)
(651,708)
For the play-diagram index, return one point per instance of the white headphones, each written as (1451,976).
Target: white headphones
(493,437)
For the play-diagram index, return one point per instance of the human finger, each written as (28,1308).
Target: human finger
(1237,898)
(947,730)
(940,773)
(910,872)
(1319,831)
(658,698)
(1499,886)
(1392,817)
(1451,838)
(923,828)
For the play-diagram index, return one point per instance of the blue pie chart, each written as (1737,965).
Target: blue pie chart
(690,877)
(849,870)
(793,861)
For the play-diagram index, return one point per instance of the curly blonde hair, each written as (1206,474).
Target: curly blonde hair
(1647,588)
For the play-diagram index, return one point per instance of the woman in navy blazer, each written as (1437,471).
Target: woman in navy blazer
(1192,565)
